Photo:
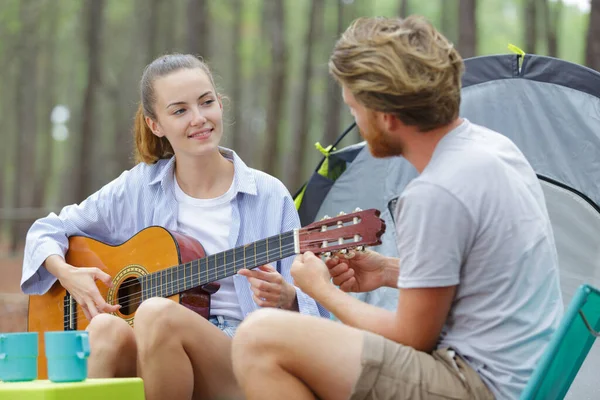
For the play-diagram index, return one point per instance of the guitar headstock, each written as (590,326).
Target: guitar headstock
(344,232)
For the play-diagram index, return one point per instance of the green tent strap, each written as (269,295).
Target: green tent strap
(518,51)
(323,170)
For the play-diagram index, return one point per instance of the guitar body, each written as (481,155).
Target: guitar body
(151,250)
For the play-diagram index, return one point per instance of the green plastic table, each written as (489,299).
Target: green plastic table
(90,389)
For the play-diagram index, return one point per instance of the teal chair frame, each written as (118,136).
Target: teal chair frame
(568,348)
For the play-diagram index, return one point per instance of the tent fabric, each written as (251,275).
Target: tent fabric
(551,110)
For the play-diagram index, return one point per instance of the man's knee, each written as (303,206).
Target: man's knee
(259,329)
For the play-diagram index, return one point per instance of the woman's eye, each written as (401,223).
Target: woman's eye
(179,111)
(208,102)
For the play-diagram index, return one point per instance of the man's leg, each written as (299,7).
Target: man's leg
(113,349)
(181,354)
(284,355)
(279,354)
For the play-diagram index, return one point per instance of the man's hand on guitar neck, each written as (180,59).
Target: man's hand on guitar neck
(81,284)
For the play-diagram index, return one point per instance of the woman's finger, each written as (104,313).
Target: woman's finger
(266,295)
(91,308)
(86,312)
(267,268)
(102,305)
(262,303)
(264,285)
(262,275)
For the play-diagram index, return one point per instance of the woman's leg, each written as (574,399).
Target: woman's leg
(181,354)
(113,349)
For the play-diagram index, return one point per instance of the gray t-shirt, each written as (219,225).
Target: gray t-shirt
(476,217)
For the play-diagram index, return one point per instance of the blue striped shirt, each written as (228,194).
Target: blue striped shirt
(143,197)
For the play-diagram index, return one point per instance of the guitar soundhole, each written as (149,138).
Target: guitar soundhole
(129,295)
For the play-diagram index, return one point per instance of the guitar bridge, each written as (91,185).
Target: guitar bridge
(70,313)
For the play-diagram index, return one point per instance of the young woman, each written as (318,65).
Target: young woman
(186,183)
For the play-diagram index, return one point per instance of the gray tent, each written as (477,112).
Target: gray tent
(551,110)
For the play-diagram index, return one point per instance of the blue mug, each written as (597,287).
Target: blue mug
(18,356)
(66,354)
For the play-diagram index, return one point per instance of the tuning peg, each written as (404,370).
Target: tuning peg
(325,217)
(341,213)
(357,209)
(360,248)
(327,254)
(343,251)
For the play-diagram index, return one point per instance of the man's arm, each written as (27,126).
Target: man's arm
(417,322)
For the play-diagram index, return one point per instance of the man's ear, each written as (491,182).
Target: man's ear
(389,121)
(153,126)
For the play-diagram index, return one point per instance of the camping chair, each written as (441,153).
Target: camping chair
(568,347)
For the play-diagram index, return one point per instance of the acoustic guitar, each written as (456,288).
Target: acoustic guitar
(158,263)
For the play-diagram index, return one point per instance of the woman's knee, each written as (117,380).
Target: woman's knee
(156,314)
(108,332)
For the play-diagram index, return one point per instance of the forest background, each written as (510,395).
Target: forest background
(71,69)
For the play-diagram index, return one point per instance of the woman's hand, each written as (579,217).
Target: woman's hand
(81,284)
(269,288)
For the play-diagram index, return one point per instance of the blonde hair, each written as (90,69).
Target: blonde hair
(150,148)
(403,67)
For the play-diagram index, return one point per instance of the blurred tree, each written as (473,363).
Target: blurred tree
(448,19)
(150,26)
(47,72)
(552,14)
(592,51)
(26,103)
(237,9)
(302,116)
(467,33)
(530,24)
(278,80)
(333,97)
(403,9)
(197,28)
(94,10)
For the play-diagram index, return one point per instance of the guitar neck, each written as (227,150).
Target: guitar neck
(179,278)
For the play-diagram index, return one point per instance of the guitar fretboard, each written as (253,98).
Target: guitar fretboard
(179,278)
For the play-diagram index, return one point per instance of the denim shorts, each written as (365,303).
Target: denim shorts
(226,324)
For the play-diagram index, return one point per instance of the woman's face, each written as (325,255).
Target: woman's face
(188,112)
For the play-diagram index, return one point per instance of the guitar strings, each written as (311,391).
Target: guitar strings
(210,274)
(287,247)
(125,304)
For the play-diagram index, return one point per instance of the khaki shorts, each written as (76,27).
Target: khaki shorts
(393,371)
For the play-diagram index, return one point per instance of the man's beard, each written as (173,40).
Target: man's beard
(380,144)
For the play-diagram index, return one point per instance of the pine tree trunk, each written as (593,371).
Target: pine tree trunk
(467,35)
(592,50)
(95,20)
(278,85)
